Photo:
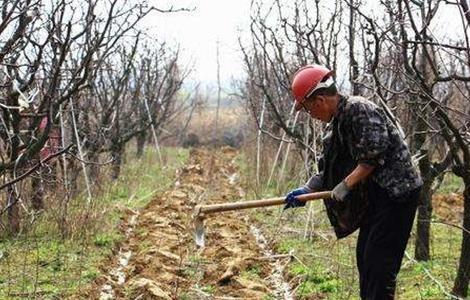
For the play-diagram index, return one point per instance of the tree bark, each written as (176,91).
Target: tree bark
(354,68)
(94,168)
(13,213)
(37,199)
(141,139)
(423,226)
(463,274)
(73,177)
(117,153)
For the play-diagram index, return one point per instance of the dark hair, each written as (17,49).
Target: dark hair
(328,91)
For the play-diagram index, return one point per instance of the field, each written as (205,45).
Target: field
(145,249)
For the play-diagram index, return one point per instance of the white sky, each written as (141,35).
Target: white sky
(225,20)
(198,31)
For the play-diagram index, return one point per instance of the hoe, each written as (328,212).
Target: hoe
(200,211)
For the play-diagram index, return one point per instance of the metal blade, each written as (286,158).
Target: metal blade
(199,232)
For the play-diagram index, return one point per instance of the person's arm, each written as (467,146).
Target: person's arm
(315,183)
(360,173)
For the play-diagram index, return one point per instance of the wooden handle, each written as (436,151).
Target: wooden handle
(207,209)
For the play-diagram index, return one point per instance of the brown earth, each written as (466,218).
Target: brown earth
(448,207)
(166,264)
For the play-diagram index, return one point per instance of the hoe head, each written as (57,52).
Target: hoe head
(199,227)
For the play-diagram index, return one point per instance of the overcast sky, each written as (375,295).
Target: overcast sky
(197,32)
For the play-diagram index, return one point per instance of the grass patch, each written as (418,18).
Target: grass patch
(106,239)
(451,184)
(314,280)
(210,289)
(253,272)
(43,263)
(193,268)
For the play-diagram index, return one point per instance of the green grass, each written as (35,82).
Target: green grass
(451,184)
(43,264)
(106,239)
(251,273)
(315,280)
(210,289)
(414,283)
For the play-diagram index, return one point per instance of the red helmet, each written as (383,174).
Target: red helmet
(307,80)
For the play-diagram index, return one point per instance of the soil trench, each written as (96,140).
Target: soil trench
(159,259)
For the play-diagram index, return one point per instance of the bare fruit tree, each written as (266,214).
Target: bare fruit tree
(50,53)
(131,95)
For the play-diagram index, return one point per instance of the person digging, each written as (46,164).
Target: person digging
(368,167)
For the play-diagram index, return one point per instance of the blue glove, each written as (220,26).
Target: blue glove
(291,201)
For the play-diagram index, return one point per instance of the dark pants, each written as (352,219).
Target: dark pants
(382,241)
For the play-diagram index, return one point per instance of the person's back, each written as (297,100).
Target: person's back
(395,171)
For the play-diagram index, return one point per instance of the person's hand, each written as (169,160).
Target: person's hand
(340,191)
(291,200)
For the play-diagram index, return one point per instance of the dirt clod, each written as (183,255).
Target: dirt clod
(147,289)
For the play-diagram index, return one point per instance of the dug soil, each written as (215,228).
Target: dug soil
(448,207)
(159,259)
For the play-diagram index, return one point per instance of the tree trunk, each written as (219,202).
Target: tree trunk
(64,203)
(423,225)
(141,139)
(73,176)
(463,274)
(94,168)
(13,213)
(117,153)
(37,199)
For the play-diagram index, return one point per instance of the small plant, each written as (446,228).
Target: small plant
(191,272)
(329,286)
(184,297)
(106,239)
(90,274)
(210,289)
(250,275)
(430,292)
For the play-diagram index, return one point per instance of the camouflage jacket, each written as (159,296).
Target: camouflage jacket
(362,133)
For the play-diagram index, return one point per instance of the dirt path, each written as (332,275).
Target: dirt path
(159,260)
